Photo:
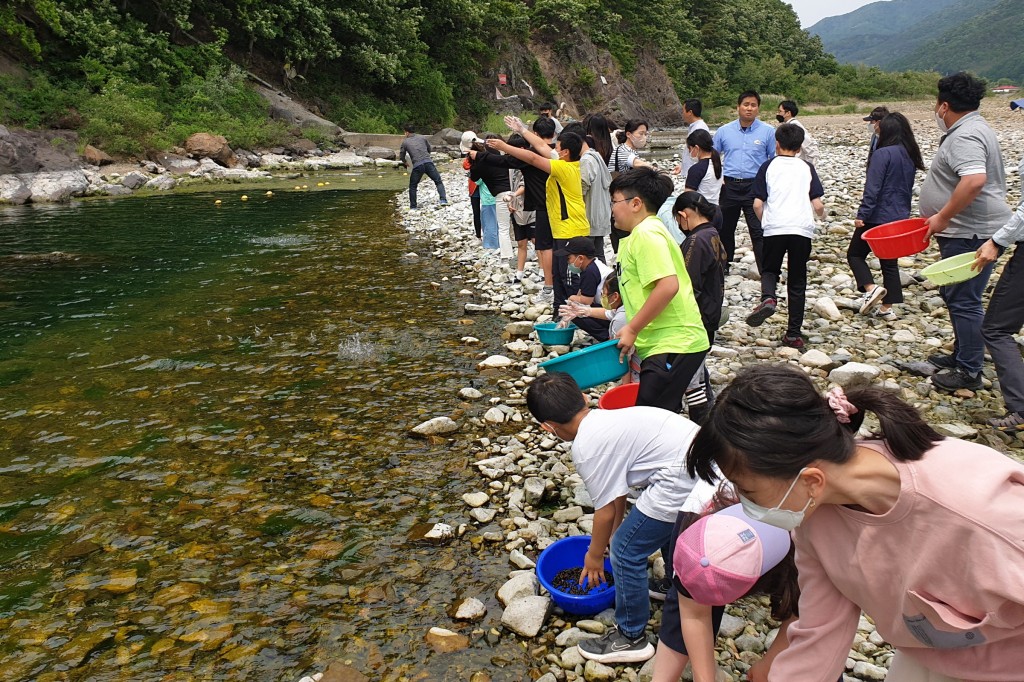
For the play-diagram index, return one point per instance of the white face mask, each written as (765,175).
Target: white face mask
(943,128)
(780,518)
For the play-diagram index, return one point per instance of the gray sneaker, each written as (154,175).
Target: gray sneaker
(615,647)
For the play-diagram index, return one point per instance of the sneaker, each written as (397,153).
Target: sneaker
(657,588)
(793,341)
(943,361)
(955,379)
(762,312)
(615,647)
(886,315)
(871,299)
(443,202)
(1014,421)
(545,295)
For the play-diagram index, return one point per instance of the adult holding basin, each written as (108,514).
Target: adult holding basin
(745,144)
(964,202)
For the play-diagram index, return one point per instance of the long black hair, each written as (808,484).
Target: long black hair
(771,420)
(600,131)
(703,141)
(632,125)
(895,129)
(697,202)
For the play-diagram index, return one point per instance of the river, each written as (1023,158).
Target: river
(204,465)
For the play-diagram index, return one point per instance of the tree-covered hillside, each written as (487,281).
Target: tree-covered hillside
(142,73)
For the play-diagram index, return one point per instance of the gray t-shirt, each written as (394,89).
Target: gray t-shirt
(970,147)
(596,179)
(418,149)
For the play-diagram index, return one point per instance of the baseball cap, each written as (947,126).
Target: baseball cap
(579,246)
(719,558)
(877,114)
(466,143)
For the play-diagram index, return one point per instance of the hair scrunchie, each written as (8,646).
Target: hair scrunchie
(841,405)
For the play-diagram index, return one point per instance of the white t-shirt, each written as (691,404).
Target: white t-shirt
(616,450)
(699,124)
(786,185)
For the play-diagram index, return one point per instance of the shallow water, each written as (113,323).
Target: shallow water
(204,466)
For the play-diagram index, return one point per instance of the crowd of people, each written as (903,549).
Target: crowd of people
(771,487)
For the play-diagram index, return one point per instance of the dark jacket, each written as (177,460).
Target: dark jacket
(534,179)
(494,176)
(889,186)
(705,258)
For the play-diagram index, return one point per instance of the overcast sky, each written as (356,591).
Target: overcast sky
(810,11)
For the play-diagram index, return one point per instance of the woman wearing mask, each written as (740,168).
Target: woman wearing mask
(705,175)
(632,138)
(922,533)
(887,194)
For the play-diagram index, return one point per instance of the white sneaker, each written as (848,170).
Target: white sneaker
(886,315)
(870,299)
(544,296)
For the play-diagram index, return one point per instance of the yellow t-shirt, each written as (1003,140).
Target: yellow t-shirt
(566,211)
(650,254)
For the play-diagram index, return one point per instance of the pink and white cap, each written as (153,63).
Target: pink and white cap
(721,556)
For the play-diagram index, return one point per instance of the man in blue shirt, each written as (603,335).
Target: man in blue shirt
(744,144)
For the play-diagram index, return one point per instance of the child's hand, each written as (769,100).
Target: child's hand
(627,338)
(593,571)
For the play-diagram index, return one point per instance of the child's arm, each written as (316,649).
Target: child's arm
(524,155)
(819,207)
(606,520)
(664,290)
(699,637)
(759,209)
(759,671)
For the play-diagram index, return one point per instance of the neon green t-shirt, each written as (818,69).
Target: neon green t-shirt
(650,254)
(566,210)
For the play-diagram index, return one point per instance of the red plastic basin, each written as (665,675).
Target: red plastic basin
(619,397)
(898,239)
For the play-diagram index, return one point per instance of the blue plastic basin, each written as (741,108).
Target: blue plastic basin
(590,366)
(569,553)
(550,335)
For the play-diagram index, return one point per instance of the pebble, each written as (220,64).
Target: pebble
(478,499)
(470,393)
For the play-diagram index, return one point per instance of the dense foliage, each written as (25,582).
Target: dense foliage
(147,73)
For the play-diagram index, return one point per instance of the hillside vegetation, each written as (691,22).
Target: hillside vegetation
(133,75)
(938,35)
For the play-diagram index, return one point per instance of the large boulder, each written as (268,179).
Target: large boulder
(525,616)
(161,182)
(450,135)
(300,146)
(381,153)
(96,157)
(174,163)
(13,190)
(17,153)
(57,186)
(200,145)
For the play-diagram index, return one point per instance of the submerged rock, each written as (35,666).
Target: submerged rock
(436,426)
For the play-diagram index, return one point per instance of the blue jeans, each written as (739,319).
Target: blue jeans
(417,174)
(963,301)
(637,538)
(489,224)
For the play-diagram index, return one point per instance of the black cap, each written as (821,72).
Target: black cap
(877,114)
(579,246)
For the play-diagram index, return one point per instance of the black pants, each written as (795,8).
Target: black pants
(564,284)
(1003,319)
(799,250)
(474,200)
(737,197)
(664,378)
(599,247)
(596,328)
(417,174)
(857,255)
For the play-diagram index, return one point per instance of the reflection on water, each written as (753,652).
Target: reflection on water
(204,471)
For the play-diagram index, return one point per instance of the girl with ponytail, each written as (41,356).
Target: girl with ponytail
(925,534)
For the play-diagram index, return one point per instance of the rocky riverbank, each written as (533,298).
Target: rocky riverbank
(529,495)
(43,168)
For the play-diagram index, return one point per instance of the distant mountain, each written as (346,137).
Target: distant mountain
(887,34)
(987,44)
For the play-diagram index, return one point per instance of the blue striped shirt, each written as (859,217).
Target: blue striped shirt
(744,150)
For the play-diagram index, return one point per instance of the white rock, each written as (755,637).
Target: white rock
(533,490)
(495,362)
(161,182)
(56,186)
(13,190)
(494,416)
(869,671)
(482,515)
(470,340)
(904,336)
(436,426)
(815,358)
(525,616)
(732,626)
(854,374)
(568,514)
(470,609)
(477,499)
(826,307)
(956,430)
(470,393)
(518,586)
(520,560)
(519,328)
(598,672)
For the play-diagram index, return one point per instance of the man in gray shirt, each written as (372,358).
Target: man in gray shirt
(417,148)
(964,200)
(692,110)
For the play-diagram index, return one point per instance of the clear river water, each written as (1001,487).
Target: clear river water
(204,465)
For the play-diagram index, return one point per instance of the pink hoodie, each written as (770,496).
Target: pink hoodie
(941,573)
